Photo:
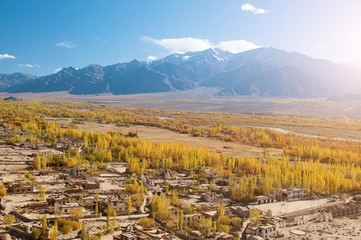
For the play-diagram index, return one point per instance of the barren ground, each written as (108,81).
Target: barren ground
(339,228)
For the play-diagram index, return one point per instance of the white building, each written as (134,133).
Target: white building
(265,231)
(265,199)
(212,197)
(191,218)
(119,205)
(293,193)
(67,207)
(49,152)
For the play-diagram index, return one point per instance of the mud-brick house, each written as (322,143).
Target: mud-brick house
(211,197)
(120,205)
(67,207)
(78,172)
(19,187)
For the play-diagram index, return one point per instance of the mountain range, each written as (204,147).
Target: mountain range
(264,72)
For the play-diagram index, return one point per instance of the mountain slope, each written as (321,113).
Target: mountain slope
(261,72)
(337,76)
(231,78)
(280,82)
(11,80)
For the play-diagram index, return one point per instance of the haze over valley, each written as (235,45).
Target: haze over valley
(180,120)
(262,72)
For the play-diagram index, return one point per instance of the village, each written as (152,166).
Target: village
(90,202)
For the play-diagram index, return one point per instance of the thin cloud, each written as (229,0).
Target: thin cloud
(182,45)
(101,39)
(29,65)
(250,8)
(151,58)
(6,56)
(66,44)
(237,46)
(57,70)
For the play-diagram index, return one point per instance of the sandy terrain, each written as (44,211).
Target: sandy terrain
(339,228)
(17,200)
(108,185)
(158,134)
(280,208)
(13,158)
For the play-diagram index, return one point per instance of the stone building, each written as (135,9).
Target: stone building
(212,197)
(293,193)
(20,187)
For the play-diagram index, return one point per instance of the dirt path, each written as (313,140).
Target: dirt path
(159,134)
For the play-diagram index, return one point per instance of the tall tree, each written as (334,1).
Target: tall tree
(129,205)
(44,228)
(54,231)
(83,232)
(109,212)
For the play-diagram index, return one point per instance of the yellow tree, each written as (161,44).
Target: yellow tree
(129,205)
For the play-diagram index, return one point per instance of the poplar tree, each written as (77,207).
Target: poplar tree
(129,205)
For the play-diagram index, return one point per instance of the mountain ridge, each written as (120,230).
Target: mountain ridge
(262,72)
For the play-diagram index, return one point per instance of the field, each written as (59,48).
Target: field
(155,134)
(282,109)
(201,100)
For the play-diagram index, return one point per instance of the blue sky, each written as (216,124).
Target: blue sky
(39,37)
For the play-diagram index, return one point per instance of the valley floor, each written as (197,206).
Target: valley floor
(159,134)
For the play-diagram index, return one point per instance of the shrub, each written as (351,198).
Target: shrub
(94,237)
(2,191)
(67,229)
(236,222)
(76,214)
(224,220)
(35,233)
(146,222)
(61,222)
(9,219)
(68,226)
(223,228)
(75,225)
